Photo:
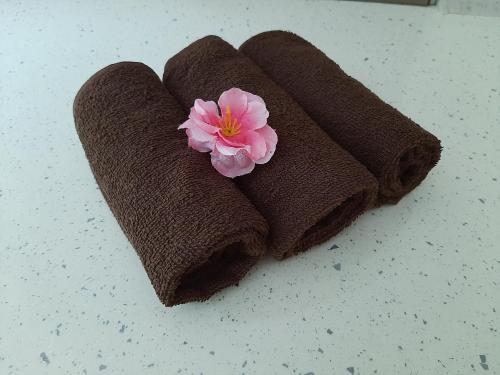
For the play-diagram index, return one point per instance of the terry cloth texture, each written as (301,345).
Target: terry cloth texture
(311,188)
(194,231)
(394,148)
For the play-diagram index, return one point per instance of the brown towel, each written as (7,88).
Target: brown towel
(194,231)
(311,188)
(395,149)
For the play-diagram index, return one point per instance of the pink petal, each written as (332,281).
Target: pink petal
(256,116)
(257,145)
(196,123)
(252,141)
(236,99)
(224,149)
(185,125)
(206,111)
(271,138)
(238,140)
(253,98)
(199,139)
(232,165)
(208,128)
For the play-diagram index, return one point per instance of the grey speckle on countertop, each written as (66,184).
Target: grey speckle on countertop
(44,358)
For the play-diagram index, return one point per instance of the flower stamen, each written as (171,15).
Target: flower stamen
(229,126)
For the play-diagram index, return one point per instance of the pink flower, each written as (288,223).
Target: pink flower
(237,136)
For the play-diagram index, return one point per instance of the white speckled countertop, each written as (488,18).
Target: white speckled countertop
(409,289)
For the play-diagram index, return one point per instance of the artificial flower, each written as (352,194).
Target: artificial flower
(235,132)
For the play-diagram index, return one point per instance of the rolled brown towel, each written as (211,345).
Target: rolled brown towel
(394,148)
(311,188)
(194,231)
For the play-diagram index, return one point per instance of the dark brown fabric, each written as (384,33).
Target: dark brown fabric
(194,231)
(311,189)
(394,148)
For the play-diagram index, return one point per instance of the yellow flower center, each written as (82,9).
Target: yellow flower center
(229,126)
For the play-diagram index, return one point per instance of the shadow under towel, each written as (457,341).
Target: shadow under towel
(394,148)
(311,188)
(194,231)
